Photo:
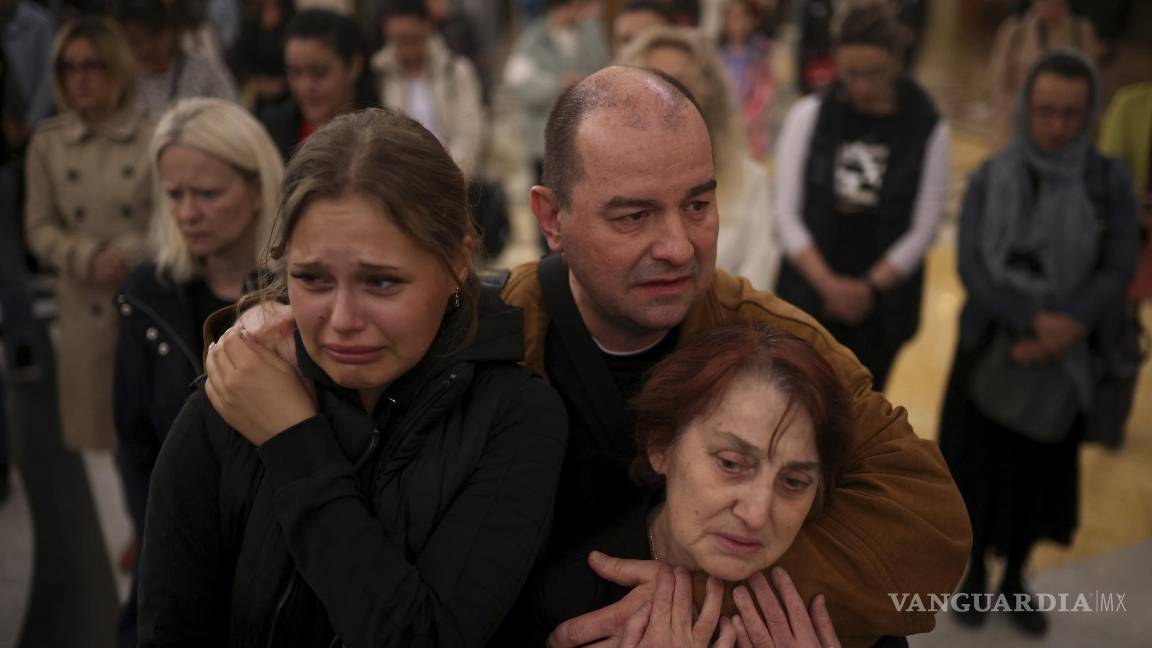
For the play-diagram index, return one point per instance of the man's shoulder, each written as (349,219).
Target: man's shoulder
(522,287)
(734,299)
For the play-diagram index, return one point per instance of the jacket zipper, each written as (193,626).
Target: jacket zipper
(373,444)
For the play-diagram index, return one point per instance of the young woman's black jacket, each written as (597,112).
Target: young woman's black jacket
(414,526)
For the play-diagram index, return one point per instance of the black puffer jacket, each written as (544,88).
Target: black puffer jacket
(416,526)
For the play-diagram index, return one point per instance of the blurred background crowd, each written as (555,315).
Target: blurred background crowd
(83,207)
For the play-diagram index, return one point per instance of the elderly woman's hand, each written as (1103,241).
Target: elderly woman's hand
(668,619)
(793,625)
(254,390)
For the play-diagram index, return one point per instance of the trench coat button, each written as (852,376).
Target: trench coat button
(73,175)
(78,213)
(126,310)
(126,211)
(151,334)
(96,310)
(120,299)
(127,171)
(162,349)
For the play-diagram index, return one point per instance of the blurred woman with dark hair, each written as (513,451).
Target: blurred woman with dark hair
(326,60)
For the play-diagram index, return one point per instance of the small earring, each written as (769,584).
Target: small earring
(456,299)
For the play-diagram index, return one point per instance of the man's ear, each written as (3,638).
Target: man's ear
(547,211)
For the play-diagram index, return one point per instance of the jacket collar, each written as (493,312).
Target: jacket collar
(724,294)
(122,126)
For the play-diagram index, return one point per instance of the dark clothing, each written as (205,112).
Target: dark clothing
(157,358)
(282,121)
(259,52)
(569,587)
(1018,490)
(594,485)
(285,123)
(414,525)
(1096,302)
(854,226)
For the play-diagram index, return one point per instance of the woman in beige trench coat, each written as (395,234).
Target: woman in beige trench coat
(88,207)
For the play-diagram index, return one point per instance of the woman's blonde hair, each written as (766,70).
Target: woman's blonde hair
(231,134)
(724,127)
(109,42)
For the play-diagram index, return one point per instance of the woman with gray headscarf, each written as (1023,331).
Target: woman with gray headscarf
(1047,244)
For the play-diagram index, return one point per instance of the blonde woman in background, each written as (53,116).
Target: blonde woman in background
(746,246)
(87,212)
(219,185)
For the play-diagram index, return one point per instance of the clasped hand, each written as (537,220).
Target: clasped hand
(659,612)
(255,391)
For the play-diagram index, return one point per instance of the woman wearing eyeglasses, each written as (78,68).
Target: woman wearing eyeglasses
(862,182)
(88,207)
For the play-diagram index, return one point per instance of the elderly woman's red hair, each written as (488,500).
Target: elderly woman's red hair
(688,384)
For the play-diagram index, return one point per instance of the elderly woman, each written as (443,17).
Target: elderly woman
(741,433)
(219,187)
(89,197)
(746,245)
(861,187)
(1048,242)
(395,490)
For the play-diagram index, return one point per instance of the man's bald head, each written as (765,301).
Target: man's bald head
(639,98)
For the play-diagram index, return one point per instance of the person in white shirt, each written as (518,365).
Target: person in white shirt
(417,74)
(861,185)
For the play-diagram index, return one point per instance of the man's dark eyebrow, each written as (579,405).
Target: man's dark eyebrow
(620,202)
(701,189)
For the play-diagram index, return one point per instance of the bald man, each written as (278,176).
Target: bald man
(628,207)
